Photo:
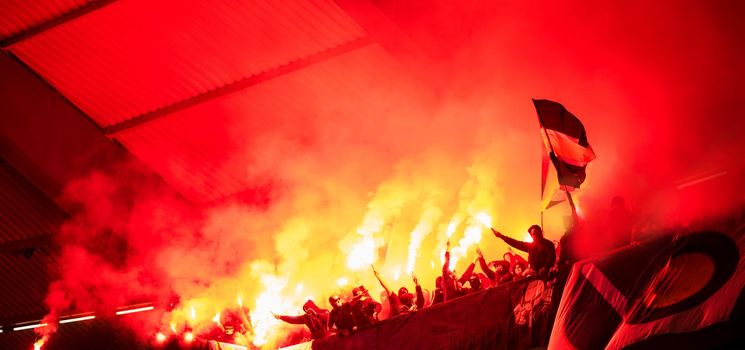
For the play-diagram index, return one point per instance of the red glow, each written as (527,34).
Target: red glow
(160,337)
(188,337)
(528,238)
(403,153)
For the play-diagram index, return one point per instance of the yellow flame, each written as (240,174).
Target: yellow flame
(484,219)
(268,302)
(160,337)
(452,226)
(216,319)
(38,344)
(423,228)
(363,254)
(396,273)
(277,288)
(188,337)
(528,237)
(471,236)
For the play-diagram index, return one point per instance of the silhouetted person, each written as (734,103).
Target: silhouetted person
(437,295)
(315,318)
(410,302)
(519,270)
(364,308)
(452,286)
(518,265)
(393,301)
(497,271)
(541,252)
(340,318)
(233,329)
(475,284)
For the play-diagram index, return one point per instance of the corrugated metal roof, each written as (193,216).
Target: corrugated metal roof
(133,57)
(25,211)
(209,151)
(20,15)
(24,284)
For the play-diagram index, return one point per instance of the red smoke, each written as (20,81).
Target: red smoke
(657,86)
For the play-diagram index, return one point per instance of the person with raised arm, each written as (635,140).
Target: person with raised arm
(393,300)
(451,286)
(541,252)
(315,318)
(498,271)
(419,293)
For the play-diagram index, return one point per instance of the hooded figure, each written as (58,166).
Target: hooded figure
(498,271)
(518,265)
(410,302)
(315,318)
(502,271)
(340,317)
(541,252)
(475,282)
(438,296)
(451,285)
(406,299)
(364,309)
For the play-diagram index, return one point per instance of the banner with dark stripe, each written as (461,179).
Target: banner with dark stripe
(675,292)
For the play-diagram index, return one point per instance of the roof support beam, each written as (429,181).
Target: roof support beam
(44,26)
(385,32)
(239,85)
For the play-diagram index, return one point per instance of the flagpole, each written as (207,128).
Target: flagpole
(571,204)
(548,141)
(541,218)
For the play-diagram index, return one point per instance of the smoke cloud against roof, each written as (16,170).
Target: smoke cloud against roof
(656,85)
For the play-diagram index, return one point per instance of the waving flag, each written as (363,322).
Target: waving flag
(551,192)
(566,143)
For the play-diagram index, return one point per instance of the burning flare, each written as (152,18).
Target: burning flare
(267,303)
(160,337)
(484,219)
(363,254)
(188,337)
(471,236)
(426,223)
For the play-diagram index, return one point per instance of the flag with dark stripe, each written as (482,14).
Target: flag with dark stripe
(566,142)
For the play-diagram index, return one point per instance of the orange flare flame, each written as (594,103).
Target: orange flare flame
(160,337)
